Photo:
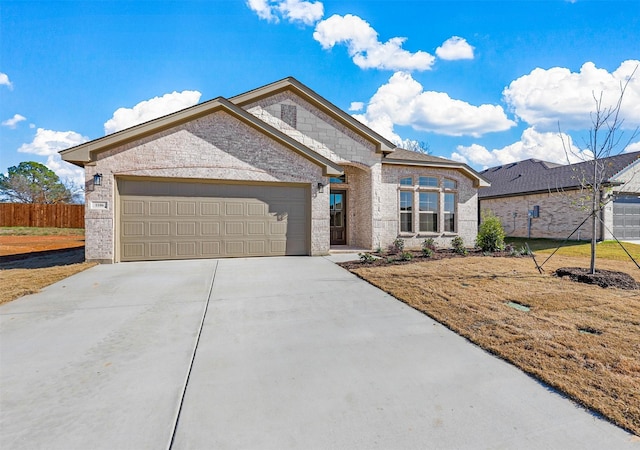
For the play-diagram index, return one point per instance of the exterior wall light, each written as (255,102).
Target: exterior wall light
(321,187)
(97,179)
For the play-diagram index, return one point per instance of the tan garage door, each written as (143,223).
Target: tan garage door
(175,220)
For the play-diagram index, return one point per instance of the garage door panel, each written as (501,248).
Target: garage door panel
(159,229)
(186,228)
(626,218)
(185,208)
(159,208)
(210,248)
(219,221)
(210,229)
(159,249)
(187,249)
(255,228)
(209,208)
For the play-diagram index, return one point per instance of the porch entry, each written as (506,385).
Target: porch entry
(338,215)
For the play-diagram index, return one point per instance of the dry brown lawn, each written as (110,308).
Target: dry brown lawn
(30,263)
(598,367)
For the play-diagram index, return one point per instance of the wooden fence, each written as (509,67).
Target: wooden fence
(32,215)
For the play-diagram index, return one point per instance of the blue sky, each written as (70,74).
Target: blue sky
(484,82)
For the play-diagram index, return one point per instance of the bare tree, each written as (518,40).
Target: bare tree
(605,139)
(416,146)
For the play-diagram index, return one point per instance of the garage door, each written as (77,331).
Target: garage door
(174,220)
(626,217)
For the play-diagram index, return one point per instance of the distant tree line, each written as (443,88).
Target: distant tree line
(32,182)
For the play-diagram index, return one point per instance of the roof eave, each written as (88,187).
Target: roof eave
(479,181)
(85,153)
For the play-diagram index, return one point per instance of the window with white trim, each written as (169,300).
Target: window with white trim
(427,182)
(406,211)
(436,201)
(450,212)
(449,184)
(428,211)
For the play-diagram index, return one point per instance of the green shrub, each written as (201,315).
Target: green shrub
(366,258)
(430,244)
(397,246)
(491,234)
(427,252)
(406,256)
(458,245)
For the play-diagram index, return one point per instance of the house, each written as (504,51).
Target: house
(540,199)
(278,170)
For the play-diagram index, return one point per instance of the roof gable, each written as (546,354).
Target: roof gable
(382,144)
(86,153)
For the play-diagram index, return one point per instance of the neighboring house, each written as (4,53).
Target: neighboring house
(551,194)
(275,171)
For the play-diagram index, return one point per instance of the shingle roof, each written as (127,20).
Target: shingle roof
(403,157)
(533,175)
(409,155)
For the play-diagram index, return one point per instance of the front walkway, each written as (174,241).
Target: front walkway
(291,353)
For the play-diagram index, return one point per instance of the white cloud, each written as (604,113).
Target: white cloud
(307,13)
(294,11)
(263,9)
(48,143)
(150,109)
(364,47)
(546,146)
(633,147)
(545,97)
(455,48)
(4,80)
(356,106)
(402,101)
(13,122)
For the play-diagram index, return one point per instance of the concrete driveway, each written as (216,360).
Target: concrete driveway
(269,353)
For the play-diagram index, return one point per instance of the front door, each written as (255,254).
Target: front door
(338,214)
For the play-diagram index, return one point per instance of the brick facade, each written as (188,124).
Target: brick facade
(466,207)
(372,186)
(560,214)
(214,147)
(222,146)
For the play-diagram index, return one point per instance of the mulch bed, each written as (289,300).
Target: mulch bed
(603,278)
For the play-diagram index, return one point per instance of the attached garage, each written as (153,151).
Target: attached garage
(626,217)
(163,219)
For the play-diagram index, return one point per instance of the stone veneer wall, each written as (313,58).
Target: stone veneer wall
(339,143)
(560,214)
(466,208)
(315,129)
(359,207)
(215,147)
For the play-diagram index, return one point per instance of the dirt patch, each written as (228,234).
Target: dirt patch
(602,278)
(13,245)
(30,263)
(580,339)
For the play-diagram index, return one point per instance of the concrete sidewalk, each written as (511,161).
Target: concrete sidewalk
(294,353)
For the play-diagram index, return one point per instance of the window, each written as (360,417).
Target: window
(427,182)
(428,211)
(450,212)
(340,179)
(406,211)
(450,184)
(406,181)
